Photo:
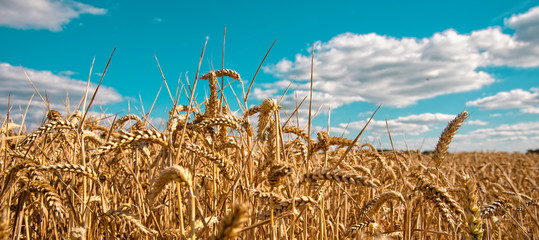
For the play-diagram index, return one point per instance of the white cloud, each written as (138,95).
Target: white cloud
(506,137)
(379,69)
(426,118)
(526,24)
(13,84)
(43,14)
(399,72)
(502,49)
(527,102)
(409,125)
(476,122)
(263,94)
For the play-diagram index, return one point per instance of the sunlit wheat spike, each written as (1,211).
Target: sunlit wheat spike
(442,208)
(265,109)
(226,120)
(341,141)
(53,200)
(243,123)
(446,137)
(295,130)
(265,117)
(362,169)
(177,109)
(27,156)
(252,111)
(230,143)
(224,165)
(231,225)
(374,205)
(473,218)
(126,138)
(382,164)
(495,208)
(167,175)
(301,148)
(67,167)
(355,228)
(223,73)
(54,115)
(92,137)
(276,172)
(266,196)
(286,205)
(525,205)
(57,124)
(322,143)
(211,104)
(121,121)
(174,122)
(120,216)
(8,127)
(428,187)
(339,175)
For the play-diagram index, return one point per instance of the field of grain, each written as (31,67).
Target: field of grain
(210,174)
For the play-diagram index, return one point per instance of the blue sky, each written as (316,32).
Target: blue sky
(424,61)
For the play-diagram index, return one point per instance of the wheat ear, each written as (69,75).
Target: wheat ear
(126,138)
(286,205)
(43,130)
(126,217)
(473,217)
(54,115)
(355,228)
(494,209)
(224,165)
(445,139)
(338,175)
(67,167)
(231,225)
(373,205)
(295,130)
(276,172)
(438,192)
(121,121)
(225,120)
(174,173)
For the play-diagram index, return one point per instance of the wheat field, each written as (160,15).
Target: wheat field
(210,174)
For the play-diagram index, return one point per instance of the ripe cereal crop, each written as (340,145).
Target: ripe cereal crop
(216,173)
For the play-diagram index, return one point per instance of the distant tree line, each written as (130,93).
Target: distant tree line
(426,152)
(531,151)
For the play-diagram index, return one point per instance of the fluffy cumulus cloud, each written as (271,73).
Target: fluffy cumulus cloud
(390,71)
(15,88)
(399,72)
(410,125)
(43,14)
(526,24)
(527,102)
(506,137)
